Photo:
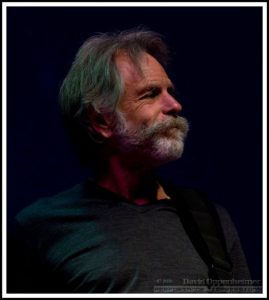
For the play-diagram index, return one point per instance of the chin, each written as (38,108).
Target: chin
(167,149)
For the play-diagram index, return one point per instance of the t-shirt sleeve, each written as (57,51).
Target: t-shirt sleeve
(20,262)
(240,266)
(25,273)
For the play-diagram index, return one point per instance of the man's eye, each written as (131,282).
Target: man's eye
(151,94)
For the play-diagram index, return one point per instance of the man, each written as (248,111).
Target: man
(122,230)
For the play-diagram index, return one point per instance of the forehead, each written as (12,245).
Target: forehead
(149,70)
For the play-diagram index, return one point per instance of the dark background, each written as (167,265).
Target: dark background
(217,69)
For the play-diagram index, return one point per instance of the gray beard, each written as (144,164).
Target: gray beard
(156,144)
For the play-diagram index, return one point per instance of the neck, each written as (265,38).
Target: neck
(135,184)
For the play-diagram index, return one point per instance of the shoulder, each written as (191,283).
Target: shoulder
(46,207)
(70,206)
(195,199)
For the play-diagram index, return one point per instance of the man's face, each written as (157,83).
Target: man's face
(148,123)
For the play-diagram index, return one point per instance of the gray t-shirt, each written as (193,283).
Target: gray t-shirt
(89,240)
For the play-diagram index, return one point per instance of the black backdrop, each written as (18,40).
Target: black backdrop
(217,69)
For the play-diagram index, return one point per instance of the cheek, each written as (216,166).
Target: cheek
(144,113)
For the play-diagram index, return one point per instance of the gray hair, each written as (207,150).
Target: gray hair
(94,83)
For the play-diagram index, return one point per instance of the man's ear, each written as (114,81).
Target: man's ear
(101,123)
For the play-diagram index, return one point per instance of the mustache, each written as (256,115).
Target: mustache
(158,128)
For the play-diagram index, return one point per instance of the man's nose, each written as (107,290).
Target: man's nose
(170,105)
